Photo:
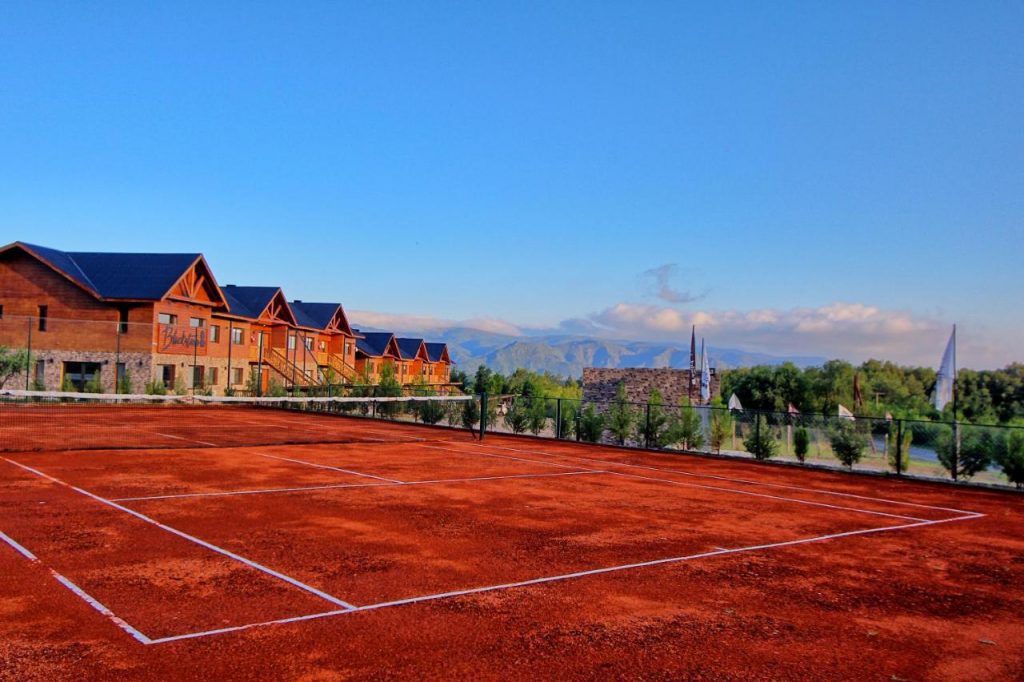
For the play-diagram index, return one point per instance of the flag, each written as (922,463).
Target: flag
(946,377)
(792,409)
(845,413)
(734,403)
(705,374)
(888,416)
(693,350)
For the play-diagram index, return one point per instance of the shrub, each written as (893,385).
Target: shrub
(68,386)
(1011,459)
(155,387)
(470,414)
(590,425)
(904,447)
(722,424)
(685,427)
(537,415)
(848,443)
(275,389)
(518,416)
(801,443)
(651,426)
(124,384)
(94,385)
(568,419)
(976,452)
(760,442)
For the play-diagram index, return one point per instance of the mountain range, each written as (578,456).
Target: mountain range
(567,355)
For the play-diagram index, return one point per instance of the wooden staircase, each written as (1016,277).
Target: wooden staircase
(292,374)
(344,370)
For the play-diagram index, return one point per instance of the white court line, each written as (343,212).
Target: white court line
(324,466)
(492,454)
(822,491)
(77,591)
(187,440)
(352,485)
(555,578)
(735,491)
(191,538)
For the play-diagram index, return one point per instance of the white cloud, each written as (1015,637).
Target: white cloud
(661,280)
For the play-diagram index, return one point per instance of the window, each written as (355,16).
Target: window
(43,310)
(78,374)
(196,322)
(236,336)
(122,321)
(323,346)
(122,374)
(197,376)
(167,318)
(236,376)
(167,375)
(215,333)
(40,377)
(309,343)
(291,342)
(212,375)
(348,348)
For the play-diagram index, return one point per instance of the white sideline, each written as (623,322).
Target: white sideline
(191,538)
(187,440)
(555,578)
(750,493)
(822,491)
(76,590)
(229,493)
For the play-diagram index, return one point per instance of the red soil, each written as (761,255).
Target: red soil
(936,601)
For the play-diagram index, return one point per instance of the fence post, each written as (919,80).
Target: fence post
(899,447)
(483,414)
(28,358)
(117,360)
(558,418)
(647,425)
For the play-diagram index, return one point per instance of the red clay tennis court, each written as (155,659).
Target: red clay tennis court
(341,546)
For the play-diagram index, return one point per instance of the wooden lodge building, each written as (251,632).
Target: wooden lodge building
(125,321)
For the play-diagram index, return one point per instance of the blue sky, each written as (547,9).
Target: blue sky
(843,179)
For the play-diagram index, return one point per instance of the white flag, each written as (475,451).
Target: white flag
(734,403)
(705,374)
(946,376)
(845,413)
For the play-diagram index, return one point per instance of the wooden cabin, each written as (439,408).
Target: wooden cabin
(374,351)
(412,361)
(334,344)
(439,364)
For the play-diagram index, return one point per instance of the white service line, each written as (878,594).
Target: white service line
(492,454)
(77,591)
(821,491)
(555,578)
(229,493)
(324,466)
(191,538)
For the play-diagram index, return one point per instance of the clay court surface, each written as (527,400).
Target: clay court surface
(404,551)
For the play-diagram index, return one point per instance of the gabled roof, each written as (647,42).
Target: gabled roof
(136,276)
(252,302)
(320,315)
(438,352)
(410,349)
(376,344)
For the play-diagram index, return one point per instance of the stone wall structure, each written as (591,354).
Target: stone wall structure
(675,385)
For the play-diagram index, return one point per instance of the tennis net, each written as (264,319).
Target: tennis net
(50,420)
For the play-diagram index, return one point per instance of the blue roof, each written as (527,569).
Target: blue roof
(146,276)
(434,351)
(373,343)
(315,315)
(409,348)
(248,301)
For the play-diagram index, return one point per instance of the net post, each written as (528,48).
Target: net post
(483,414)
(899,447)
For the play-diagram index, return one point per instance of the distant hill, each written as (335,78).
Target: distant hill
(568,355)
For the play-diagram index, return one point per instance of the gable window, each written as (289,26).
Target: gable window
(196,322)
(236,336)
(122,321)
(43,311)
(167,318)
(215,333)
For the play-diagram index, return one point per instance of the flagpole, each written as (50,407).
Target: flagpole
(956,423)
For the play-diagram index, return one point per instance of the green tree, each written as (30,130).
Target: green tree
(388,387)
(517,417)
(652,425)
(155,387)
(567,414)
(801,443)
(13,363)
(621,416)
(848,442)
(977,450)
(760,442)
(275,389)
(124,384)
(590,426)
(536,415)
(470,414)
